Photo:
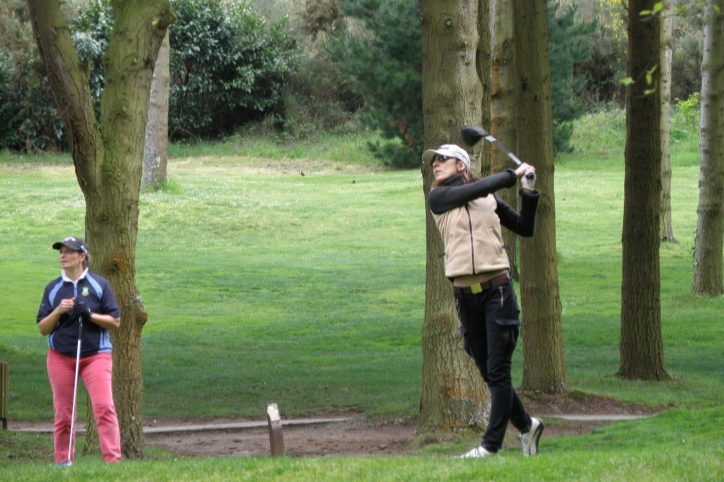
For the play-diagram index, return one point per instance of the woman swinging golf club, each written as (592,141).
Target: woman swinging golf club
(469,216)
(77,310)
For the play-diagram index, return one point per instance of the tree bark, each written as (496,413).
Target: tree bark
(666,53)
(710,211)
(453,392)
(503,123)
(108,160)
(155,152)
(486,81)
(641,345)
(544,367)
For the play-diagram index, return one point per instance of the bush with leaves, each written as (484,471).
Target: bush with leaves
(91,32)
(28,117)
(227,66)
(384,62)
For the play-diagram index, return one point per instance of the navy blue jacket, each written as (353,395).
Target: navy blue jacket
(94,291)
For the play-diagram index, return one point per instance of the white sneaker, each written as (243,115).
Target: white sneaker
(477,453)
(529,440)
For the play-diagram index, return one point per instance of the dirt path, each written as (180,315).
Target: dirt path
(354,436)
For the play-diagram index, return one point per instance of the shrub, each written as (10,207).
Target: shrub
(685,121)
(384,62)
(227,67)
(28,117)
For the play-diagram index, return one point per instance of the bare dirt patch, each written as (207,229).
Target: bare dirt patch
(359,437)
(354,437)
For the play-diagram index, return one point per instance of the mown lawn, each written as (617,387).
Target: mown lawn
(263,285)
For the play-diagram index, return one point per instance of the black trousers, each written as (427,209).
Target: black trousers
(490,327)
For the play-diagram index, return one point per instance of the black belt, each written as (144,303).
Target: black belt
(501,280)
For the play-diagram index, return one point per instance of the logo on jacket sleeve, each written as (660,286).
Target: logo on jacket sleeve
(85,291)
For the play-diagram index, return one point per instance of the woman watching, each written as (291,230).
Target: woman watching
(80,296)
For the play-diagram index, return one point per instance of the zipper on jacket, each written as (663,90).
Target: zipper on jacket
(472,243)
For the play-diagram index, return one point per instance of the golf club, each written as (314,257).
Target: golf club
(473,134)
(75,392)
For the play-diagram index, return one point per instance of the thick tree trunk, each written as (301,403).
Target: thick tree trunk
(710,211)
(486,81)
(666,53)
(108,162)
(544,367)
(641,346)
(155,152)
(453,392)
(503,124)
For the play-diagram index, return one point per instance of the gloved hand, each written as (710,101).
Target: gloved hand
(83,310)
(528,180)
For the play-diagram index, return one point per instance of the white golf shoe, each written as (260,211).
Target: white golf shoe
(529,440)
(477,453)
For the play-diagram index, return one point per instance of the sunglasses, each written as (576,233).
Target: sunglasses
(442,159)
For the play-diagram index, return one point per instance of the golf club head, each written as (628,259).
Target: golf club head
(472,134)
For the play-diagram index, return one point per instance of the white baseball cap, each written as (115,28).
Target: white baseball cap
(450,150)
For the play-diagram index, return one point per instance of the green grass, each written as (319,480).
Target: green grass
(259,288)
(323,151)
(263,285)
(678,445)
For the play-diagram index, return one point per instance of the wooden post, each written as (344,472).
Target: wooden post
(276,437)
(4,393)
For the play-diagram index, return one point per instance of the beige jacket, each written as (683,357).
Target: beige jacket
(473,238)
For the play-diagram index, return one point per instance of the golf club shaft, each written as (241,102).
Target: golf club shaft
(500,146)
(75,393)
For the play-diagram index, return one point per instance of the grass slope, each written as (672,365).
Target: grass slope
(263,285)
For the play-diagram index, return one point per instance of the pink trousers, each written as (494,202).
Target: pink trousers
(96,373)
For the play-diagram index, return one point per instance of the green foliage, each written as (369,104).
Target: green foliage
(318,97)
(384,61)
(569,45)
(686,117)
(687,40)
(28,117)
(606,65)
(91,32)
(227,67)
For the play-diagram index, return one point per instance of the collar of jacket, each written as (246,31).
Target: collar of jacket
(455,181)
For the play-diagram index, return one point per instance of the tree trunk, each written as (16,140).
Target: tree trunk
(503,124)
(483,69)
(155,152)
(91,442)
(544,367)
(641,346)
(710,211)
(108,159)
(666,229)
(453,392)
